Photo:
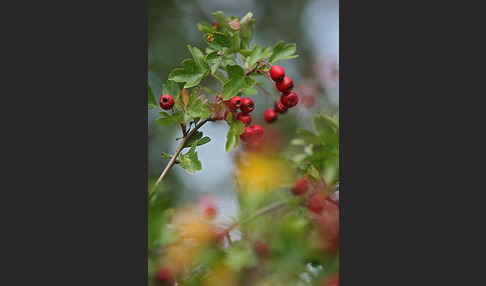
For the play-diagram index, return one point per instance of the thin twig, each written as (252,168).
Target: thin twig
(176,154)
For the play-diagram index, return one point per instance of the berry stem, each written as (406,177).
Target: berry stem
(176,154)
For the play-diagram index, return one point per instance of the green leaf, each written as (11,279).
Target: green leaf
(218,40)
(189,161)
(237,83)
(235,42)
(214,61)
(152,102)
(171,87)
(233,136)
(327,130)
(196,107)
(168,119)
(198,56)
(222,19)
(204,27)
(308,136)
(196,139)
(166,155)
(282,51)
(191,73)
(257,54)
(250,91)
(246,29)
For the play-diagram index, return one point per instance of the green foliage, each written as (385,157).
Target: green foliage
(237,83)
(283,51)
(197,139)
(189,160)
(320,152)
(168,119)
(233,136)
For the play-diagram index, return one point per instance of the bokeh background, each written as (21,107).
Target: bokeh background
(312,24)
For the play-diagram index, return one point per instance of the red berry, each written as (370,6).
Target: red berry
(257,130)
(286,84)
(279,107)
(270,115)
(261,248)
(166,101)
(244,117)
(289,99)
(332,281)
(247,105)
(277,73)
(300,187)
(165,276)
(207,206)
(316,203)
(247,134)
(235,102)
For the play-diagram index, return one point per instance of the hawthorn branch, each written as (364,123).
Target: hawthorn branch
(178,150)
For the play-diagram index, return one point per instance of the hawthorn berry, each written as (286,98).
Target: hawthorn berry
(248,134)
(279,107)
(257,130)
(166,101)
(316,203)
(165,276)
(270,115)
(332,281)
(261,248)
(301,186)
(207,206)
(289,99)
(277,73)
(247,105)
(244,117)
(286,84)
(235,102)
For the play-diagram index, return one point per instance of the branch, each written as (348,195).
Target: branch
(176,154)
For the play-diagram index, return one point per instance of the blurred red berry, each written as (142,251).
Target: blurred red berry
(206,205)
(165,276)
(308,101)
(277,73)
(270,115)
(286,84)
(244,117)
(247,105)
(301,186)
(261,248)
(289,99)
(235,102)
(316,203)
(258,130)
(332,281)
(247,134)
(279,107)
(166,101)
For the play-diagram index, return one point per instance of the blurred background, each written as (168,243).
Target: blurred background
(312,24)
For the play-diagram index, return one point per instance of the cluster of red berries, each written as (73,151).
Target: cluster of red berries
(288,99)
(325,209)
(166,101)
(246,106)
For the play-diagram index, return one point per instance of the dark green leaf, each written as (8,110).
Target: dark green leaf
(214,61)
(168,119)
(204,27)
(189,161)
(237,83)
(218,40)
(196,107)
(222,19)
(233,136)
(246,29)
(282,51)
(194,138)
(191,73)
(172,88)
(256,55)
